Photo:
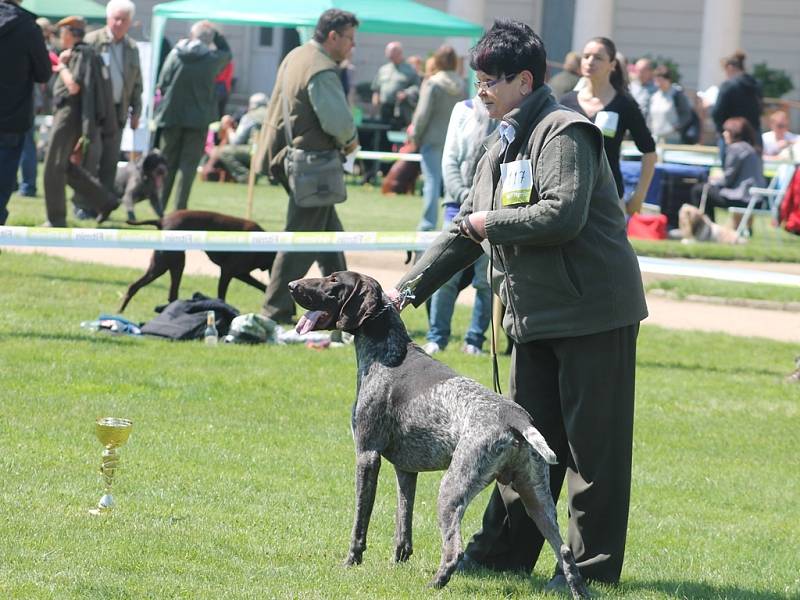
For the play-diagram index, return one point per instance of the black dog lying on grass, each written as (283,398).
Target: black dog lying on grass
(232,265)
(422,416)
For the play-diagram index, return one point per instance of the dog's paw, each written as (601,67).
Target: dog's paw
(403,552)
(352,560)
(439,581)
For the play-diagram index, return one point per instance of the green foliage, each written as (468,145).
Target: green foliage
(774,82)
(237,481)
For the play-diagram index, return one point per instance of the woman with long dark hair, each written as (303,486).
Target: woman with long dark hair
(604,100)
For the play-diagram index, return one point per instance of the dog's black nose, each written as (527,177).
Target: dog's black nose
(292,285)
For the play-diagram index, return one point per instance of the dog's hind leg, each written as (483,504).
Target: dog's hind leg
(368,465)
(250,280)
(406,491)
(471,470)
(225,277)
(533,487)
(175,260)
(158,266)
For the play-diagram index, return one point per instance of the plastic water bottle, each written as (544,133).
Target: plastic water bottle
(211,336)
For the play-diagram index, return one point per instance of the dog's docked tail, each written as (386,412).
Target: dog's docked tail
(156,222)
(536,439)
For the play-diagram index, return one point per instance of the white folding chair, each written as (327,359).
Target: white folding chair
(770,196)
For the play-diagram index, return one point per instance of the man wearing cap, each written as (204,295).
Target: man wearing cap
(123,92)
(188,104)
(25,61)
(79,108)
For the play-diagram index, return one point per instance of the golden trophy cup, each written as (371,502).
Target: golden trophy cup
(112,433)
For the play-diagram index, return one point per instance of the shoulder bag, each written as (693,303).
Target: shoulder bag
(316,178)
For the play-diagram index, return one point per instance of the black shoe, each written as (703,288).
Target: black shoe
(84,214)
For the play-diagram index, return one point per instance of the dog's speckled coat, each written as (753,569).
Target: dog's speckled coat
(422,416)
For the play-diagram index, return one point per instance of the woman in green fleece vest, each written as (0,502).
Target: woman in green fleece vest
(544,206)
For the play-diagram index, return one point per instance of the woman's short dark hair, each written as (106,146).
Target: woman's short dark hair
(333,19)
(618,78)
(510,47)
(741,130)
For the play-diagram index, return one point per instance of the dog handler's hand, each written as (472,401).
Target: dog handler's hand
(397,301)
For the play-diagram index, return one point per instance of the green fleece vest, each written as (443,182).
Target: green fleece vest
(294,74)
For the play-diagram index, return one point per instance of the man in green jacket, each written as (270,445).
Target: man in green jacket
(321,120)
(544,207)
(188,104)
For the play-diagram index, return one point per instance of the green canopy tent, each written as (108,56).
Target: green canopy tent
(57,9)
(402,17)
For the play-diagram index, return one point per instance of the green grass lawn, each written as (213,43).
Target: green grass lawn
(367,210)
(237,481)
(682,287)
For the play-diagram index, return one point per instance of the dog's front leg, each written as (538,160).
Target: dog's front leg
(406,490)
(368,464)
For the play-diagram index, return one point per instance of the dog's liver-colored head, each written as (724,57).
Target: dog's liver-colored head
(343,300)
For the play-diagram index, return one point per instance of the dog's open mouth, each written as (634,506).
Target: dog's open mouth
(313,320)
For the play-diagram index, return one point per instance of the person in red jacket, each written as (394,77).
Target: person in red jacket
(790,206)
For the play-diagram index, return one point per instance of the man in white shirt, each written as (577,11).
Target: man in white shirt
(778,140)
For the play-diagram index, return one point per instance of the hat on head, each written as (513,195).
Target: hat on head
(73,22)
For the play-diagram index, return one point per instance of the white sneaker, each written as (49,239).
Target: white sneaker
(473,350)
(431,348)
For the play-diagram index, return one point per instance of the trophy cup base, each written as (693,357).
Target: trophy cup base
(103,507)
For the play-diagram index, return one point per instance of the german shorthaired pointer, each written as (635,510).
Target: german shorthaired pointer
(422,416)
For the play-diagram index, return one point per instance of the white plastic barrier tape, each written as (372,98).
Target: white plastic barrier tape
(232,241)
(323,241)
(666,266)
(389,156)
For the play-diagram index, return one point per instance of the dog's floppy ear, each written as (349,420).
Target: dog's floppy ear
(364,301)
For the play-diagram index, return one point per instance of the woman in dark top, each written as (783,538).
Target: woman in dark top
(604,99)
(739,96)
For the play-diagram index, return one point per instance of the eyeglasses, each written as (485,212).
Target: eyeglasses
(483,86)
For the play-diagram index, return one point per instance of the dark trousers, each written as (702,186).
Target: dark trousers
(580,393)
(28,163)
(10,151)
(101,161)
(59,171)
(183,148)
(288,266)
(713,199)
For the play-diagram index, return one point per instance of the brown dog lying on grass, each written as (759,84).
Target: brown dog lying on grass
(233,265)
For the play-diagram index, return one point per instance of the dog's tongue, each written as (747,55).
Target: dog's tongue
(308,320)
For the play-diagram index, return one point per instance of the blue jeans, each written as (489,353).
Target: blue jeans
(27,165)
(431,186)
(443,303)
(10,151)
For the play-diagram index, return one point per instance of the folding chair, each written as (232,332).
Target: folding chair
(769,196)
